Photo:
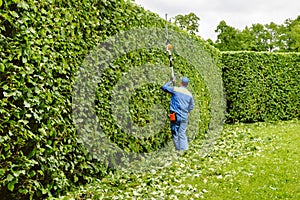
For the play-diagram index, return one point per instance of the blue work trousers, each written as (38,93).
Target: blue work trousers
(179,137)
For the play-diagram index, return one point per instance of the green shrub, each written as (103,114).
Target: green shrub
(42,46)
(261,86)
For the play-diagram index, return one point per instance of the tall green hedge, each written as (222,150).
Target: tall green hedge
(261,86)
(42,45)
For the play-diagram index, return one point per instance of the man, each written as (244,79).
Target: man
(182,103)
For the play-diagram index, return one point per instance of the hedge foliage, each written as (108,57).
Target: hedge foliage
(261,86)
(42,46)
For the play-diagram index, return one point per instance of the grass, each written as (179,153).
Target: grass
(271,174)
(249,161)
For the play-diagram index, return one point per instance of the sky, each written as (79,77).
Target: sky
(236,13)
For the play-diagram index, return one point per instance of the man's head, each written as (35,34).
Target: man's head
(184,82)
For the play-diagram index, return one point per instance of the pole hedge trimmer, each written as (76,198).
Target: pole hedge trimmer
(169,48)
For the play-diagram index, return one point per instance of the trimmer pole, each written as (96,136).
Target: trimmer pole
(169,48)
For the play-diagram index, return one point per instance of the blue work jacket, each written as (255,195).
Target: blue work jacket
(182,101)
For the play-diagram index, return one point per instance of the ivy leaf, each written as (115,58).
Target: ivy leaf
(17,173)
(9,178)
(23,5)
(26,104)
(11,185)
(2,67)
(2,172)
(24,60)
(14,14)
(5,87)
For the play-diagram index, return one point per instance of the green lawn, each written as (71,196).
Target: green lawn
(273,173)
(249,161)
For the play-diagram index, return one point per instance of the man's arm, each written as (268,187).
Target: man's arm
(167,87)
(191,105)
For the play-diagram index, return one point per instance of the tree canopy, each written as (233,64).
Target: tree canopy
(259,37)
(189,22)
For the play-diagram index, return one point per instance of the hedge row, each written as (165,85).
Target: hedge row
(261,86)
(42,46)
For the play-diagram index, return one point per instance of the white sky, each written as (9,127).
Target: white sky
(236,13)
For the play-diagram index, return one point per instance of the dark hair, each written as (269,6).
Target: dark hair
(184,84)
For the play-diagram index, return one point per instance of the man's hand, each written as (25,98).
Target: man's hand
(172,79)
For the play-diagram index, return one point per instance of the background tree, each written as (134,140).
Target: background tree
(189,22)
(227,37)
(293,35)
(272,36)
(283,36)
(258,37)
(246,39)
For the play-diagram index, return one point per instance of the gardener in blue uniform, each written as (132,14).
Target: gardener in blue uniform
(182,103)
